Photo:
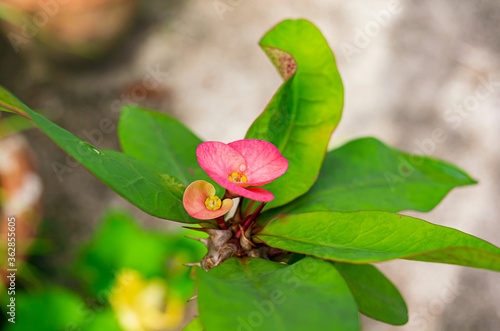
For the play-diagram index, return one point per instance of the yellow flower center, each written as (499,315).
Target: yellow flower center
(213,203)
(236,177)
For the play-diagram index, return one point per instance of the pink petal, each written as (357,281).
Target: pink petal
(254,193)
(205,214)
(194,201)
(263,160)
(260,194)
(219,160)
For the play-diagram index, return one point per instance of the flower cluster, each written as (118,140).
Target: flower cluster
(240,167)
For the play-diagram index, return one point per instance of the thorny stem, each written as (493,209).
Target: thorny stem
(249,220)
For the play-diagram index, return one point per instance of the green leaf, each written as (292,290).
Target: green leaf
(157,194)
(9,103)
(366,174)
(161,141)
(101,320)
(294,258)
(302,115)
(373,236)
(52,309)
(119,243)
(375,295)
(257,294)
(195,325)
(58,309)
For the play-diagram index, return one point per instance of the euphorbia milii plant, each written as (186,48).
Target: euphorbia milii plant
(297,252)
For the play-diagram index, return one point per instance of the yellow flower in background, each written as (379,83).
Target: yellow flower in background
(145,305)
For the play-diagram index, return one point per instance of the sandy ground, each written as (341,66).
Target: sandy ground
(407,67)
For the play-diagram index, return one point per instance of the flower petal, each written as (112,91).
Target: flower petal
(260,194)
(218,159)
(194,201)
(253,193)
(263,160)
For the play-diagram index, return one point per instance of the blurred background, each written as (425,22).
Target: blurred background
(423,76)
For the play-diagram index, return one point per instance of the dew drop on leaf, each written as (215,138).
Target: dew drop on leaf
(91,148)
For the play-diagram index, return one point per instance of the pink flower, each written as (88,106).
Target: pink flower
(201,202)
(243,163)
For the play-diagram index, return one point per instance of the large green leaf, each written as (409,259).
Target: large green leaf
(372,236)
(161,141)
(257,294)
(375,295)
(366,174)
(157,194)
(302,115)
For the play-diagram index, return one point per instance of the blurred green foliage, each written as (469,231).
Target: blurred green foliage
(119,245)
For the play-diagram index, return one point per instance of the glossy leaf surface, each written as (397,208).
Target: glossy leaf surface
(257,294)
(163,142)
(366,174)
(302,115)
(157,194)
(373,236)
(375,295)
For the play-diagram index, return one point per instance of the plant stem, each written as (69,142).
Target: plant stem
(221,222)
(229,195)
(248,208)
(250,219)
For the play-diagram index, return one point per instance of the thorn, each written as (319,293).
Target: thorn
(195,229)
(248,241)
(248,232)
(194,297)
(194,264)
(245,243)
(202,240)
